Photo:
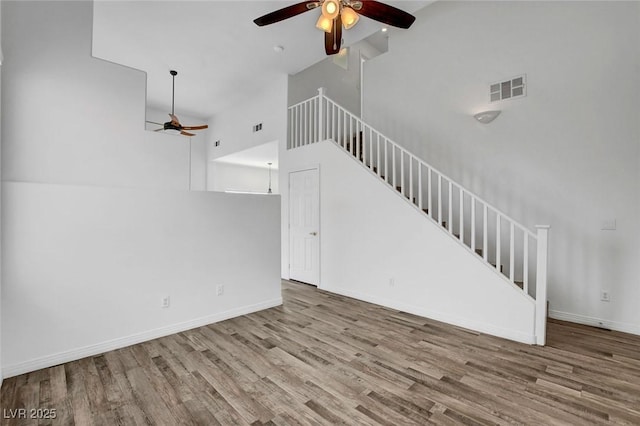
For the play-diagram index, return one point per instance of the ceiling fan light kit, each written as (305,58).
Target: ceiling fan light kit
(339,14)
(349,17)
(325,24)
(330,9)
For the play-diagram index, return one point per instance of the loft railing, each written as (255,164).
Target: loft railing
(515,253)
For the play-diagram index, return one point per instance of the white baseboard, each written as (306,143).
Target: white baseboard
(595,322)
(98,348)
(493,330)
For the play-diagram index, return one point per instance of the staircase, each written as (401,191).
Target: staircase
(517,255)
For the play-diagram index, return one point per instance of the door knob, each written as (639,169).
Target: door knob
(313,233)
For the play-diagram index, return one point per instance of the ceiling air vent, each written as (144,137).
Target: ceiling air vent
(512,88)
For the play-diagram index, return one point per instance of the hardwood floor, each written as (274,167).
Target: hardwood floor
(327,359)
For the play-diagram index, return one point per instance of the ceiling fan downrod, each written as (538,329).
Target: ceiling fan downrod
(173,90)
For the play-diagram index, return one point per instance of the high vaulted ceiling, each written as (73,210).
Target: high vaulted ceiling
(221,56)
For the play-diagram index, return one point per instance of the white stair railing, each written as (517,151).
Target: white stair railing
(515,253)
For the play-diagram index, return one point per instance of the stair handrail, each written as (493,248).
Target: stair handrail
(444,176)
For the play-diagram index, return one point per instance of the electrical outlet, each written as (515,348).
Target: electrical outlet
(220,289)
(605,296)
(165,302)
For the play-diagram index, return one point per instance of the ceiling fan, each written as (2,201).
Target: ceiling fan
(337,14)
(174,125)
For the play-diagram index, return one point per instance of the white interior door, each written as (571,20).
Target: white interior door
(304,226)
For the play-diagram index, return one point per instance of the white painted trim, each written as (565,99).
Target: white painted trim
(439,316)
(314,166)
(363,59)
(110,345)
(624,327)
(306,167)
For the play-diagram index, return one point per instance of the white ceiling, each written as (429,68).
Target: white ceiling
(221,56)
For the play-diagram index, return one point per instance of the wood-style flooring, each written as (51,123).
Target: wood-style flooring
(327,359)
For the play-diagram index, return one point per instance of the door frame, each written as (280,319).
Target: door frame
(313,166)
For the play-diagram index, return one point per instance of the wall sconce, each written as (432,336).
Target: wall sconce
(486,117)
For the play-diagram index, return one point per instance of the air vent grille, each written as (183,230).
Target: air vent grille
(509,89)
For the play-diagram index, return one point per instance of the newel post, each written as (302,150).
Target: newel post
(542,262)
(321,112)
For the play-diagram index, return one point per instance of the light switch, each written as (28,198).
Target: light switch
(608,225)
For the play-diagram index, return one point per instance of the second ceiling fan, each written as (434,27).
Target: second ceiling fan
(174,125)
(337,14)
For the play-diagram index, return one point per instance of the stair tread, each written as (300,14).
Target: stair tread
(494,265)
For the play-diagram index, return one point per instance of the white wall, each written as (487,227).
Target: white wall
(64,126)
(85,267)
(234,127)
(97,219)
(225,176)
(369,234)
(343,86)
(74,119)
(566,155)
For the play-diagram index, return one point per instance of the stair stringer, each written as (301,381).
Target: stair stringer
(443,228)
(369,236)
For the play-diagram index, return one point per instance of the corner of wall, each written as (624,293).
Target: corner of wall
(1,59)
